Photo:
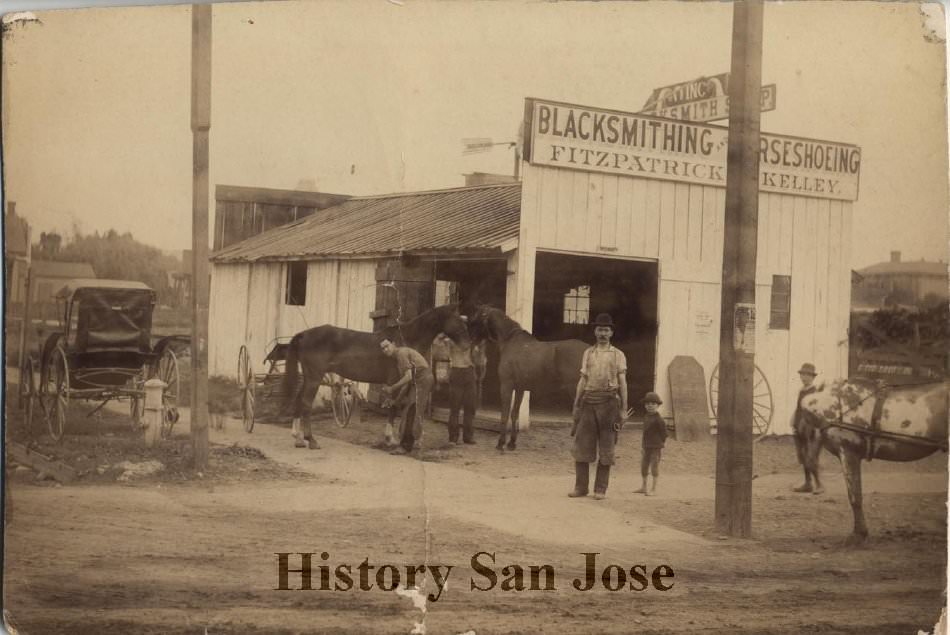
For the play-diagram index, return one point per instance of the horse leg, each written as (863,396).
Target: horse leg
(390,434)
(303,433)
(515,411)
(505,412)
(851,463)
(813,454)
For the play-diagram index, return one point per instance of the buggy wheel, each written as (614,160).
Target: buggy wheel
(343,399)
(245,376)
(762,404)
(167,371)
(28,394)
(57,393)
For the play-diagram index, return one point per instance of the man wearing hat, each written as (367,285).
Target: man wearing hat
(807,445)
(600,399)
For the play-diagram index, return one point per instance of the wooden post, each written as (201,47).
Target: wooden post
(737,332)
(200,127)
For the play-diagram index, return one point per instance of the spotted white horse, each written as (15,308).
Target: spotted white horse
(857,420)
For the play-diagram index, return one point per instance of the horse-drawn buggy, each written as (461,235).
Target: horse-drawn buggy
(265,393)
(102,351)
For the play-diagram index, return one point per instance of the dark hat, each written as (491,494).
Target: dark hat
(807,369)
(652,397)
(604,319)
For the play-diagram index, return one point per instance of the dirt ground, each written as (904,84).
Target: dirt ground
(182,554)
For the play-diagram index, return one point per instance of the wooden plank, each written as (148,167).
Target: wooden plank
(681,222)
(694,224)
(667,207)
(41,463)
(625,214)
(688,397)
(652,231)
(608,213)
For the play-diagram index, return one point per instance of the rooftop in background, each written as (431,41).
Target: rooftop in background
(474,220)
(898,267)
(16,233)
(61,269)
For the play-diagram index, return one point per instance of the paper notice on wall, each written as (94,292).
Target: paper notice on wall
(702,322)
(743,337)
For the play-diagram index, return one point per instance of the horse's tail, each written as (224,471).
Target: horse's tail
(291,370)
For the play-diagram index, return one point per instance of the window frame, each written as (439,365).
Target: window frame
(295,279)
(780,303)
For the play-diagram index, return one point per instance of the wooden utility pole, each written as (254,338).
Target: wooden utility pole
(737,325)
(200,128)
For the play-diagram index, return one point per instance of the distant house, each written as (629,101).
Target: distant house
(906,282)
(16,257)
(47,277)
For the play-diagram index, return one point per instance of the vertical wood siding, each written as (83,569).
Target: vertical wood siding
(247,306)
(681,226)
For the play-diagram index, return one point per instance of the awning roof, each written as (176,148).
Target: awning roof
(471,220)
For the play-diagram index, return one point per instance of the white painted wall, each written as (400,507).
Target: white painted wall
(681,226)
(247,306)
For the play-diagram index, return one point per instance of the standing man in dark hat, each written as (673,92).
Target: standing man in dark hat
(599,404)
(807,443)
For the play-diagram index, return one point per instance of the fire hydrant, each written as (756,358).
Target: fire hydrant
(153,411)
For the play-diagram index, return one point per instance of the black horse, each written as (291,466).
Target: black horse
(355,355)
(525,364)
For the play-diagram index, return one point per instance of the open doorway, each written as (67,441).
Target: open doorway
(470,283)
(569,292)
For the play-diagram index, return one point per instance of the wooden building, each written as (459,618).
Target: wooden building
(617,212)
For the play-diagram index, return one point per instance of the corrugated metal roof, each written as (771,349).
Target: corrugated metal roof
(467,219)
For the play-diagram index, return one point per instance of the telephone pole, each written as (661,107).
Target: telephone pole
(200,128)
(737,324)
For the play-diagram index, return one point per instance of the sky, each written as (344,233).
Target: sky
(375,96)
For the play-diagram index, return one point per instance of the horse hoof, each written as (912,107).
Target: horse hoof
(855,540)
(511,446)
(500,448)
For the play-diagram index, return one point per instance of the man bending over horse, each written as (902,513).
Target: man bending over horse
(600,399)
(414,371)
(807,438)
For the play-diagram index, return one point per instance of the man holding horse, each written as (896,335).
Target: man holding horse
(600,399)
(807,438)
(466,370)
(415,373)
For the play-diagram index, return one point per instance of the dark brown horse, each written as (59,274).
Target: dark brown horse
(525,364)
(355,355)
(857,420)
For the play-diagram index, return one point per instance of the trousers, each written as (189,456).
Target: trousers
(462,393)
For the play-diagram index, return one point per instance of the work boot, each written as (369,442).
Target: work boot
(601,481)
(803,488)
(581,479)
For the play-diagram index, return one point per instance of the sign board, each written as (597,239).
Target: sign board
(703,99)
(688,394)
(629,144)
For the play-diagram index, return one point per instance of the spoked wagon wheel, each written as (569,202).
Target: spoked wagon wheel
(762,405)
(28,394)
(245,376)
(167,371)
(57,393)
(343,400)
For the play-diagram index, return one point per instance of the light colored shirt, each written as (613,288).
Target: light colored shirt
(601,367)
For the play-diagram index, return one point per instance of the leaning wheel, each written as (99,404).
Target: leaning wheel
(28,391)
(762,404)
(167,371)
(57,393)
(343,400)
(245,376)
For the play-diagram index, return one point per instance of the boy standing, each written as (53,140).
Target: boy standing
(654,438)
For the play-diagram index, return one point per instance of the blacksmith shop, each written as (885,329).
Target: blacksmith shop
(615,212)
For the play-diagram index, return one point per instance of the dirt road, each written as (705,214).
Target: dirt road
(200,557)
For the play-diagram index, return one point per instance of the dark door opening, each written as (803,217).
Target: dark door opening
(473,283)
(569,292)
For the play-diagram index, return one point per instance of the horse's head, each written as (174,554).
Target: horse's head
(451,322)
(480,323)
